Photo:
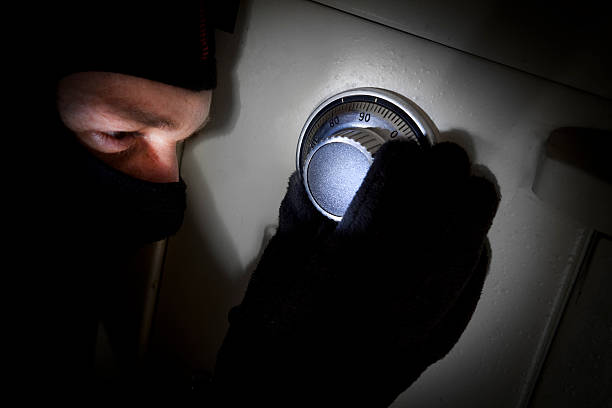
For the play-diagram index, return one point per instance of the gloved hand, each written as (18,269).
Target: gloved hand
(351,313)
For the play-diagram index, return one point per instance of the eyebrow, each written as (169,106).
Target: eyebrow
(144,117)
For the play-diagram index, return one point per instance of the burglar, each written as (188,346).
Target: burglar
(335,314)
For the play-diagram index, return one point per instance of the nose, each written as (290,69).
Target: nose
(153,158)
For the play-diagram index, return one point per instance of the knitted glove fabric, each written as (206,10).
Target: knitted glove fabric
(351,313)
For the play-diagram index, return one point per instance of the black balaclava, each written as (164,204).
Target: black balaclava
(80,220)
(166,42)
(173,44)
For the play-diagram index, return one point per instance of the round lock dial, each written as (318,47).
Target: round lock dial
(340,138)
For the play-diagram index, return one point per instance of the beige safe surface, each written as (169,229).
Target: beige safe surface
(284,59)
(564,42)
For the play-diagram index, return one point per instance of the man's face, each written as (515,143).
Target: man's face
(130,123)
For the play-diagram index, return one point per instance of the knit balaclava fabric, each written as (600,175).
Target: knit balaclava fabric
(166,42)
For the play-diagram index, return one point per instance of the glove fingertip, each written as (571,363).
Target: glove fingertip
(396,152)
(385,184)
(484,198)
(449,162)
(296,210)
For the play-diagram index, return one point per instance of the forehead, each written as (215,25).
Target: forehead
(139,113)
(101,96)
(129,98)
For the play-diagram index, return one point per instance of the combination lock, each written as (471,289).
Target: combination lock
(339,141)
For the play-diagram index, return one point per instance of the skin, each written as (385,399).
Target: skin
(132,124)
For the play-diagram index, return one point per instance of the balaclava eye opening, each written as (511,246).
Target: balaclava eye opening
(172,43)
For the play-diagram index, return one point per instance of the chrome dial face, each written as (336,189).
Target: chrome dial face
(368,116)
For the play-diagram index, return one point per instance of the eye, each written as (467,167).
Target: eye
(110,142)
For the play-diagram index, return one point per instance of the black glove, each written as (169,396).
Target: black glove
(351,313)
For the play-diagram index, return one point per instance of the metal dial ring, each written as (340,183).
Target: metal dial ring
(370,116)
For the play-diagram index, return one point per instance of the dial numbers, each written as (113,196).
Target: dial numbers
(366,114)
